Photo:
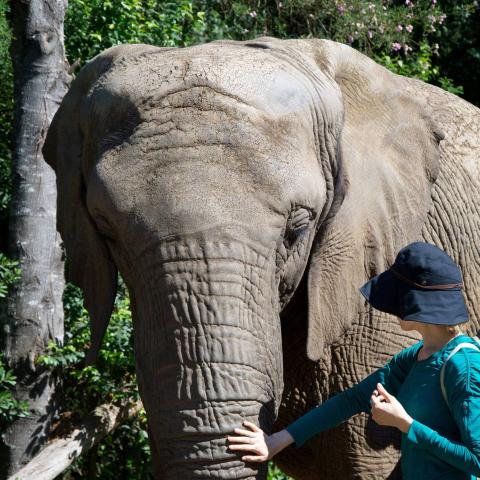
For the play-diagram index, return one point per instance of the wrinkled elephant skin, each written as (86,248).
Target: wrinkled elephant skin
(244,191)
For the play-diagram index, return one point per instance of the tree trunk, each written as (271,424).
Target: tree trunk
(34,306)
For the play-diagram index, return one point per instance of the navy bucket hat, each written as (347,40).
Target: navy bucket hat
(424,284)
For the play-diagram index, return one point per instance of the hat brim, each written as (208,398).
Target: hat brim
(381,292)
(387,293)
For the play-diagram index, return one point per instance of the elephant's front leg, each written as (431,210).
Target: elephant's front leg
(208,353)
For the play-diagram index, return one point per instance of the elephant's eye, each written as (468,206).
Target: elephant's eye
(297,223)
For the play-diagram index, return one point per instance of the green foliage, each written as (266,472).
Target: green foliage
(125,452)
(400,35)
(274,473)
(114,377)
(6,109)
(9,272)
(420,66)
(10,409)
(110,22)
(458,38)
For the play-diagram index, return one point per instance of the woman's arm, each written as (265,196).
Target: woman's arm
(462,382)
(354,400)
(465,456)
(329,414)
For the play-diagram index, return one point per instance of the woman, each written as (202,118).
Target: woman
(440,434)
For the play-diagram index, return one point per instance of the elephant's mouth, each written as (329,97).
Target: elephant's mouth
(208,352)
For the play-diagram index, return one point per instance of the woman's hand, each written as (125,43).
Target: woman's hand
(387,410)
(256,441)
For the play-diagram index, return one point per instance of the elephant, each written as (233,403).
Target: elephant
(245,190)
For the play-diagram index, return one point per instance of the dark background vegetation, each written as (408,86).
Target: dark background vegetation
(436,41)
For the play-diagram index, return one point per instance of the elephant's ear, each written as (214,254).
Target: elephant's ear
(387,161)
(90,265)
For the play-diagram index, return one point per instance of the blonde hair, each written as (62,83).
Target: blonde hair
(453,329)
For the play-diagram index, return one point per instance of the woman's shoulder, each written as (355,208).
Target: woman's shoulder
(462,370)
(467,354)
(408,354)
(412,350)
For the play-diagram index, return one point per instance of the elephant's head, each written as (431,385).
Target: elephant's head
(215,177)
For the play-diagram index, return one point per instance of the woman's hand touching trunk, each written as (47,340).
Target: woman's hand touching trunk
(254,440)
(388,411)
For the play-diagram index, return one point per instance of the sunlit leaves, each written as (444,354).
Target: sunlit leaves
(9,272)
(108,23)
(9,407)
(126,450)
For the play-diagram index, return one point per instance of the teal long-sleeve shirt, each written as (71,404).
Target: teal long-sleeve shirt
(443,440)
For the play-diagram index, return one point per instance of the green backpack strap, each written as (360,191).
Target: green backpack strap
(452,353)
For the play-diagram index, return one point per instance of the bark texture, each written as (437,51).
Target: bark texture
(34,307)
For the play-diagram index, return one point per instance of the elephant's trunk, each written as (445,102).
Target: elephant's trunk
(208,349)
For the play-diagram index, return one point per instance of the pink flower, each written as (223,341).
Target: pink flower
(341,9)
(253,14)
(349,39)
(409,3)
(396,46)
(398,28)
(369,34)
(409,28)
(434,2)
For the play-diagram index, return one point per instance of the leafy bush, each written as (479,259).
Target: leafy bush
(458,40)
(6,110)
(274,473)
(400,35)
(125,452)
(9,272)
(10,409)
(107,22)
(420,66)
